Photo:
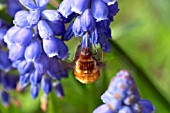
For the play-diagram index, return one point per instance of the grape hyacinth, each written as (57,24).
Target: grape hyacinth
(35,50)
(90,24)
(8,82)
(122,96)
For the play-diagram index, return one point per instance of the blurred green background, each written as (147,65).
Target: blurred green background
(141,44)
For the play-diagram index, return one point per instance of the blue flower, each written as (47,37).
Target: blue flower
(109,2)
(87,20)
(58,89)
(24,67)
(55,47)
(33,51)
(122,96)
(10,35)
(16,52)
(79,6)
(46,85)
(65,8)
(69,32)
(34,90)
(5,63)
(23,37)
(5,98)
(77,27)
(90,21)
(102,10)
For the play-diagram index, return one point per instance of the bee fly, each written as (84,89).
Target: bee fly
(86,69)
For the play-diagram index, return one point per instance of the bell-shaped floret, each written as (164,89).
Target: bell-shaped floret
(57,27)
(102,10)
(16,52)
(65,8)
(33,17)
(5,98)
(104,108)
(79,6)
(77,27)
(58,89)
(24,67)
(10,35)
(33,51)
(87,20)
(109,2)
(20,19)
(23,37)
(51,15)
(40,66)
(29,4)
(41,3)
(55,47)
(5,63)
(35,77)
(69,32)
(147,107)
(44,29)
(46,85)
(34,90)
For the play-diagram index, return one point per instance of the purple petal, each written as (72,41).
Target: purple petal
(44,29)
(46,85)
(24,67)
(87,20)
(126,109)
(102,10)
(69,32)
(109,2)
(104,108)
(5,63)
(16,52)
(147,107)
(33,51)
(51,15)
(2,33)
(34,90)
(58,89)
(21,18)
(23,37)
(24,79)
(35,77)
(80,6)
(77,28)
(33,17)
(42,3)
(113,10)
(29,4)
(65,8)
(55,47)
(40,66)
(57,27)
(5,98)
(10,35)
(86,41)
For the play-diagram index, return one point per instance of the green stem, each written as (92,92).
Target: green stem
(144,78)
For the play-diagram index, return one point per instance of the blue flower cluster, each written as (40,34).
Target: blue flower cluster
(34,48)
(90,24)
(122,96)
(8,82)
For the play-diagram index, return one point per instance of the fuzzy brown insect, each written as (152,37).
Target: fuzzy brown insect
(86,69)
